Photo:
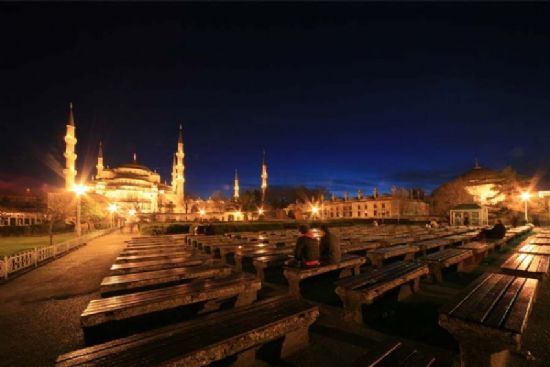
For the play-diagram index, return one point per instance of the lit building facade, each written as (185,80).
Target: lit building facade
(399,204)
(135,187)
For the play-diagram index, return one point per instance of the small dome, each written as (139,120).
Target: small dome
(480,174)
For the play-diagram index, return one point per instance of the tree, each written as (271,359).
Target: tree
(61,206)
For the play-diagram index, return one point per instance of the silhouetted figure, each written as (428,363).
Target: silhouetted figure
(466,220)
(497,232)
(306,252)
(330,246)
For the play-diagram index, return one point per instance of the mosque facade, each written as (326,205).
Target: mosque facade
(135,189)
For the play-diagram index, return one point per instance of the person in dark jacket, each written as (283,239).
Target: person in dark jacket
(307,248)
(330,246)
(496,233)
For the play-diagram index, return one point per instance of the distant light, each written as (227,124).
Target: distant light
(79,189)
(525,196)
(161,192)
(261,211)
(314,210)
(132,212)
(202,212)
(113,208)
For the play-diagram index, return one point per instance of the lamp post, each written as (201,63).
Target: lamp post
(113,209)
(525,197)
(314,211)
(79,190)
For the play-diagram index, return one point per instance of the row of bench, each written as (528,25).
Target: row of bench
(489,317)
(152,311)
(146,280)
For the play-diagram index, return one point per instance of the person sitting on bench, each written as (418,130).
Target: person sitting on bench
(330,246)
(306,252)
(496,233)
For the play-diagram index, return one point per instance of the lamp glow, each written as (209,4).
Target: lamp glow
(79,189)
(202,212)
(132,212)
(314,210)
(525,196)
(113,208)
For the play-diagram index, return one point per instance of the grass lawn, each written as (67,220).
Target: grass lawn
(11,245)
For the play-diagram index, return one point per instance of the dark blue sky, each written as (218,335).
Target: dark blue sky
(345,96)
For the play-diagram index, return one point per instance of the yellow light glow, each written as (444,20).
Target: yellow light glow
(79,189)
(238,213)
(525,196)
(131,212)
(202,212)
(314,210)
(113,208)
(261,211)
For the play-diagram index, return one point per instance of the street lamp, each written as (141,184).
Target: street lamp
(525,197)
(314,211)
(79,190)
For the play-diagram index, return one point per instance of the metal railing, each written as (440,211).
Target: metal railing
(34,257)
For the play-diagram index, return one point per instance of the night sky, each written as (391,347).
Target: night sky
(344,96)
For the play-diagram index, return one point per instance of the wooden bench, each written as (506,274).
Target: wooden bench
(426,246)
(394,353)
(262,263)
(365,288)
(133,282)
(151,257)
(233,333)
(227,253)
(155,247)
(102,313)
(136,267)
(378,256)
(526,265)
(534,249)
(479,250)
(294,275)
(154,250)
(444,259)
(545,241)
(488,318)
(359,246)
(241,256)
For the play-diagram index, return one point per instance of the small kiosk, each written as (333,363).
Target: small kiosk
(469,215)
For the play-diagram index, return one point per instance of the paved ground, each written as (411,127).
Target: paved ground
(39,311)
(39,314)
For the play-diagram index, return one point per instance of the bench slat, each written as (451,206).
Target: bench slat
(200,341)
(138,280)
(140,303)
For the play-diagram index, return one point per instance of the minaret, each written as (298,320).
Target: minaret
(174,173)
(99,165)
(264,178)
(477,166)
(236,187)
(70,156)
(180,178)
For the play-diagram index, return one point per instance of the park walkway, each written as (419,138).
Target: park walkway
(40,311)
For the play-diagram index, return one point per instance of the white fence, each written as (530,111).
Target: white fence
(33,258)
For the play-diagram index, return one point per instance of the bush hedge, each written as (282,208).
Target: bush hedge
(35,229)
(225,227)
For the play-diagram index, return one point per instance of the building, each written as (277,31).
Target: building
(469,214)
(397,205)
(133,188)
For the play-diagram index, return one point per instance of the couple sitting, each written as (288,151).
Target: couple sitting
(310,251)
(497,232)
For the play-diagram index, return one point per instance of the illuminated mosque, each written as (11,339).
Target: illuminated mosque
(134,188)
